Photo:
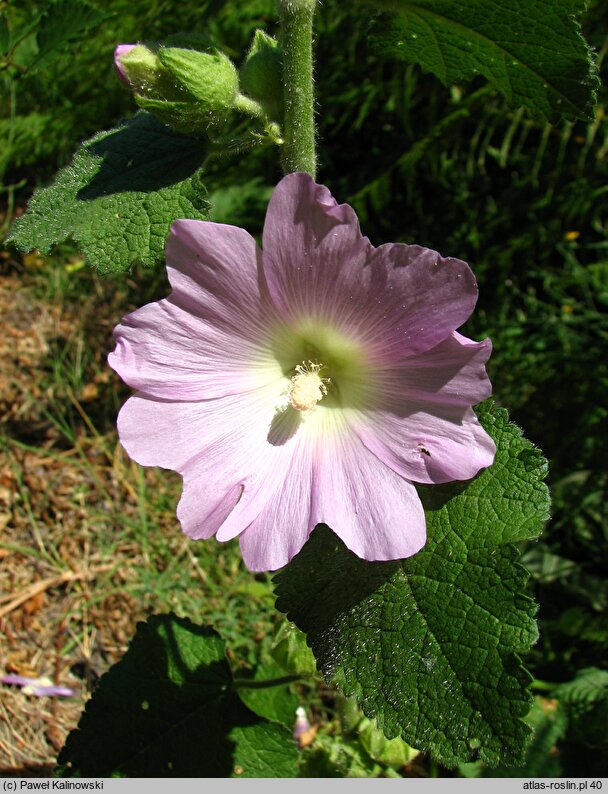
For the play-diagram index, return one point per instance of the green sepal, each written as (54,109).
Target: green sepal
(148,77)
(210,78)
(183,117)
(189,90)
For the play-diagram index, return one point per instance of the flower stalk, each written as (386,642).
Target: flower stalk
(248,683)
(248,106)
(298,152)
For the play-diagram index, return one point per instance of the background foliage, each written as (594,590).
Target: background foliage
(522,201)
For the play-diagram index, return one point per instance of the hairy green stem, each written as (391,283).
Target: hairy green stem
(298,151)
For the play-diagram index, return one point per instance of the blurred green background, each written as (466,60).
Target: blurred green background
(452,168)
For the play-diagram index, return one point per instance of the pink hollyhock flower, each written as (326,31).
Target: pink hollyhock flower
(311,383)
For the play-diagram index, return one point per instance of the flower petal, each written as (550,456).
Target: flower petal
(39,687)
(119,51)
(214,270)
(228,451)
(284,524)
(314,252)
(421,297)
(375,512)
(422,425)
(451,373)
(210,338)
(395,300)
(170,434)
(169,353)
(448,444)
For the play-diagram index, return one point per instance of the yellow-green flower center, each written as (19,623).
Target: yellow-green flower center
(322,365)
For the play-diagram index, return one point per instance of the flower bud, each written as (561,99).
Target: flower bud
(261,74)
(140,68)
(187,89)
(210,78)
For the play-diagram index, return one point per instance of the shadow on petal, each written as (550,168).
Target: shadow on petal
(284,426)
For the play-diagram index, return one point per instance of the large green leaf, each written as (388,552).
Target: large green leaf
(169,708)
(119,197)
(428,645)
(530,50)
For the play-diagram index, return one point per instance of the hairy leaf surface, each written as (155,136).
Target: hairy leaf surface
(119,196)
(530,50)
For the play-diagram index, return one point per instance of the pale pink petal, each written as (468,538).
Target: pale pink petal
(375,512)
(212,336)
(283,526)
(169,353)
(274,468)
(422,424)
(170,434)
(228,451)
(453,372)
(39,687)
(314,252)
(427,447)
(421,298)
(225,491)
(215,272)
(395,300)
(302,725)
(119,51)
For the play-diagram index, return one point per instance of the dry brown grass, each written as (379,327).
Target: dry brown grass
(65,610)
(89,542)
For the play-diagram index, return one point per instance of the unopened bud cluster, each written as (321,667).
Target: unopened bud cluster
(193,90)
